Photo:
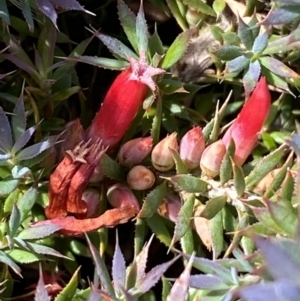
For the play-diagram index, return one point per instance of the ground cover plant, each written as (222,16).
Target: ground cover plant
(149,150)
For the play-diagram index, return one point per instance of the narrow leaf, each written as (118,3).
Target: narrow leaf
(23,139)
(46,7)
(6,260)
(260,43)
(14,221)
(5,133)
(41,293)
(26,10)
(27,201)
(37,232)
(6,187)
(141,30)
(112,169)
(18,119)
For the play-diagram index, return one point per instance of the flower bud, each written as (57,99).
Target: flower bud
(119,195)
(170,207)
(161,155)
(92,198)
(212,157)
(134,151)
(249,122)
(192,146)
(140,178)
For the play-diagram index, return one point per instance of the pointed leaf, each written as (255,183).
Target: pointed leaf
(44,250)
(6,260)
(47,8)
(23,256)
(18,119)
(260,43)
(14,221)
(228,53)
(245,34)
(26,10)
(37,232)
(116,47)
(176,50)
(152,277)
(251,77)
(69,290)
(184,219)
(128,20)
(100,62)
(141,30)
(238,179)
(112,169)
(188,183)
(282,15)
(237,65)
(23,139)
(6,187)
(180,288)
(41,293)
(101,269)
(278,67)
(213,206)
(216,232)
(27,201)
(5,133)
(179,164)
(153,200)
(177,13)
(207,282)
(264,166)
(200,6)
(33,150)
(118,268)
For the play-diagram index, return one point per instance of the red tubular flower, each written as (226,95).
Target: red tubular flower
(122,102)
(249,122)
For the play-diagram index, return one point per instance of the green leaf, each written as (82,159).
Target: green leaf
(14,221)
(251,77)
(216,232)
(101,269)
(260,43)
(188,183)
(228,53)
(26,10)
(69,290)
(264,166)
(7,187)
(284,215)
(155,44)
(23,256)
(226,168)
(64,94)
(112,169)
(141,30)
(278,67)
(288,187)
(157,225)
(245,34)
(37,232)
(200,6)
(237,65)
(176,13)
(44,250)
(27,201)
(238,179)
(18,119)
(6,260)
(180,166)
(5,133)
(213,207)
(153,200)
(184,219)
(116,47)
(128,20)
(176,50)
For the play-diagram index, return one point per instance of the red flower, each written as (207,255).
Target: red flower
(249,122)
(122,102)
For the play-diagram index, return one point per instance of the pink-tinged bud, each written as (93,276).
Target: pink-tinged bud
(119,196)
(134,151)
(92,198)
(192,146)
(170,207)
(140,178)
(249,122)
(161,155)
(212,157)
(72,136)
(122,102)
